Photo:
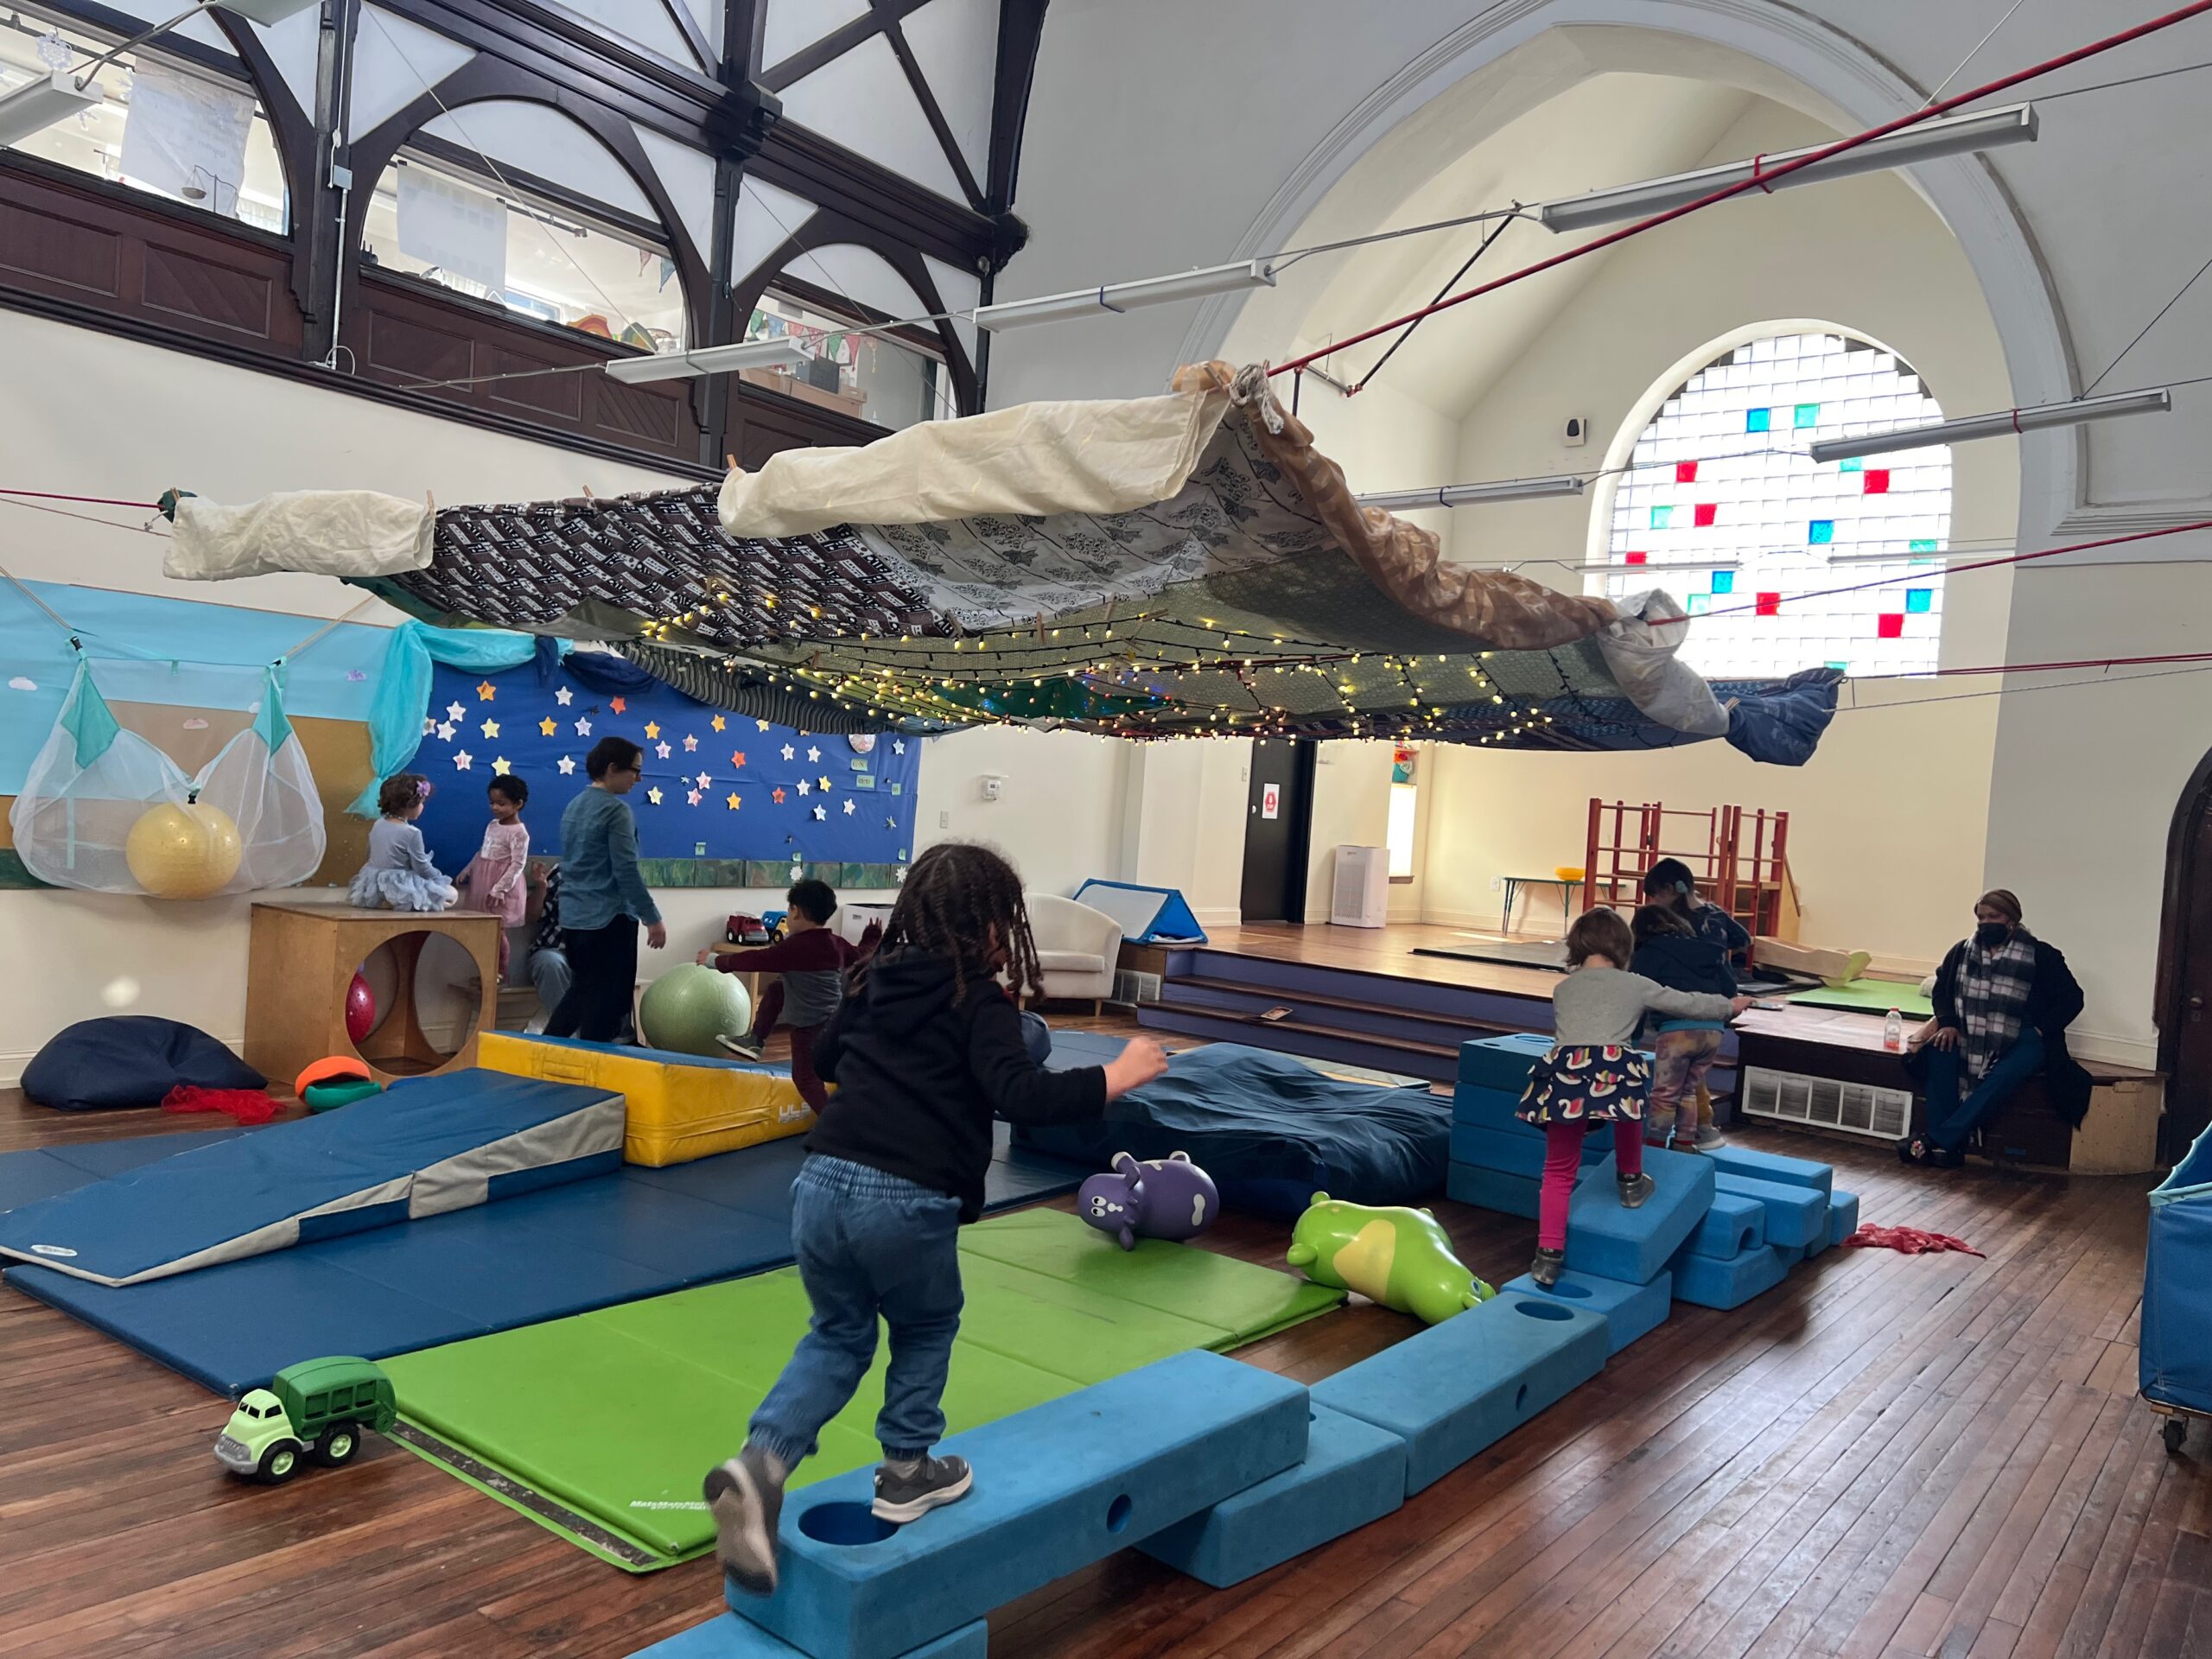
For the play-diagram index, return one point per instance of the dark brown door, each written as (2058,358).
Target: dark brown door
(2185,971)
(1276,830)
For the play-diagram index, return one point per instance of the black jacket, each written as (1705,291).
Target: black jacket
(2053,1003)
(919,1077)
(1685,964)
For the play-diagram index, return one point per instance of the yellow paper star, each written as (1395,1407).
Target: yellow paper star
(547,727)
(734,802)
(500,765)
(491,728)
(486,691)
(824,784)
(653,730)
(720,722)
(653,795)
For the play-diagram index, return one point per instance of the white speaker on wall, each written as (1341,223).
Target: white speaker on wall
(1360,894)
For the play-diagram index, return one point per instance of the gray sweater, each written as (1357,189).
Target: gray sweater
(1597,1007)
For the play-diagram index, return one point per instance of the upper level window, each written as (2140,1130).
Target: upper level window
(1721,473)
(167,127)
(535,257)
(888,379)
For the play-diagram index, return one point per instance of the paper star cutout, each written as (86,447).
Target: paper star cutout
(563,696)
(455,711)
(583,727)
(849,804)
(705,781)
(897,745)
(720,723)
(653,728)
(824,784)
(618,706)
(663,750)
(500,765)
(820,813)
(430,725)
(778,795)
(737,757)
(567,766)
(732,801)
(803,786)
(653,795)
(813,753)
(486,691)
(692,795)
(490,728)
(789,751)
(890,823)
(690,745)
(762,724)
(546,726)
(461,760)
(445,730)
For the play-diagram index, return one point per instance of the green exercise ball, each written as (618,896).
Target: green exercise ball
(687,1007)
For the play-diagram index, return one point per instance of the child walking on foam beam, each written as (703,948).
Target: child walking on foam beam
(925,1049)
(1592,1076)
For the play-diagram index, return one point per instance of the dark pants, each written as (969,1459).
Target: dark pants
(603,969)
(811,1089)
(1951,1120)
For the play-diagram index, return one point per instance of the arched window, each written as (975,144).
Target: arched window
(1724,507)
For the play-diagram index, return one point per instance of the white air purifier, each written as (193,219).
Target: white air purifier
(1360,894)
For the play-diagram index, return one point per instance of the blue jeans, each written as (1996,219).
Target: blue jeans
(1951,1120)
(868,1245)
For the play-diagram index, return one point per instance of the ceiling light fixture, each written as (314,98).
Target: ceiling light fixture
(2078,412)
(1952,135)
(1129,297)
(37,104)
(715,359)
(1461,495)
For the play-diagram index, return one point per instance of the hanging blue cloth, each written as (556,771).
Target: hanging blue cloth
(403,690)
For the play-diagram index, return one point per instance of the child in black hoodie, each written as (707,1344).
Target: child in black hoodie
(1671,951)
(925,1051)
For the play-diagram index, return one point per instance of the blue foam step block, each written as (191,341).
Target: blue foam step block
(1517,1154)
(1710,1281)
(1796,1216)
(1502,1063)
(1772,1166)
(1491,1109)
(1733,1224)
(731,1637)
(1492,1189)
(1058,1487)
(1630,1311)
(1460,1386)
(1843,1222)
(1634,1245)
(1353,1474)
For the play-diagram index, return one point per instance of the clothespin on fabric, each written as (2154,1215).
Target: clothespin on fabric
(730,461)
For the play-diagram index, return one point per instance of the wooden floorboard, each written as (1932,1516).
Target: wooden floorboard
(1887,1456)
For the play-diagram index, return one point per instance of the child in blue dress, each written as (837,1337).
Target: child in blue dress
(399,874)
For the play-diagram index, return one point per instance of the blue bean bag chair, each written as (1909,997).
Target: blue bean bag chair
(130,1059)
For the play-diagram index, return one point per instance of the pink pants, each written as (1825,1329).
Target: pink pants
(1563,1160)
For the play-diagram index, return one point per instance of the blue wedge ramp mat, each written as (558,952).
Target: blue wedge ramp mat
(1630,1311)
(1771,1167)
(439,1144)
(559,1251)
(1735,1223)
(732,1638)
(1519,1154)
(1710,1281)
(1502,1063)
(1058,1487)
(1634,1245)
(1147,915)
(1796,1216)
(1457,1387)
(1493,1189)
(1353,1472)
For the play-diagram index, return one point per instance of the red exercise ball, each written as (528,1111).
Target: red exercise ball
(361,1009)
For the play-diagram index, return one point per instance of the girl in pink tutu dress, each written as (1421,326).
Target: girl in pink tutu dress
(494,881)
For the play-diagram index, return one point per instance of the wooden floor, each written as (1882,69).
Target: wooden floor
(1886,1456)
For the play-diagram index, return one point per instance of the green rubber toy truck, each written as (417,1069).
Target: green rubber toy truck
(316,1409)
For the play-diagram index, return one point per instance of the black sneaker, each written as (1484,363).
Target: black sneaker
(932,1482)
(745,1048)
(1546,1268)
(1635,1189)
(746,1500)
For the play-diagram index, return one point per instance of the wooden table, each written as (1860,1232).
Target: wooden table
(1515,883)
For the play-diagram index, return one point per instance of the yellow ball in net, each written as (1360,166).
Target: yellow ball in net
(183,851)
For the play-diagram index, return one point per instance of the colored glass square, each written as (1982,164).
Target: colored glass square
(1807,415)
(1662,517)
(1919,601)
(1890,625)
(1758,420)
(1840,668)
(1924,546)
(1703,513)
(1768,605)
(1700,604)
(1853,464)
(1821,532)
(1876,480)
(1636,558)
(1724,581)
(1686,472)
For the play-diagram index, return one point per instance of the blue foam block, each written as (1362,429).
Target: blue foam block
(732,1638)
(1634,1245)
(1502,1063)
(1515,1154)
(1491,1189)
(1796,1216)
(1457,1387)
(1058,1487)
(1710,1281)
(1771,1167)
(1843,1216)
(1353,1474)
(1630,1311)
(1734,1224)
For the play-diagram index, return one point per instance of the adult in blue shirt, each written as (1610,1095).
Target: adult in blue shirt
(603,897)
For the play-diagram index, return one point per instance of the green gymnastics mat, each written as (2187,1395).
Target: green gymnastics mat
(600,1426)
(1875,996)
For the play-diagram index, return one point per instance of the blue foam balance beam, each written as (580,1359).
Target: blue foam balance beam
(731,1637)
(1735,1223)
(1710,1281)
(1796,1216)
(1519,1154)
(1630,1311)
(1353,1474)
(1492,1189)
(1502,1063)
(1634,1245)
(1772,1166)
(1058,1487)
(1465,1384)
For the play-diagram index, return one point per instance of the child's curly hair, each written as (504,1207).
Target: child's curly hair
(964,901)
(399,793)
(1599,932)
(1659,921)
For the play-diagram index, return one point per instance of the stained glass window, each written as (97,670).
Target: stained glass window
(1729,446)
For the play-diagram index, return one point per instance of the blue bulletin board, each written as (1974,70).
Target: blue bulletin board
(719,788)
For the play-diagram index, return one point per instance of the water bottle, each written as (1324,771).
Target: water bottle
(1893,1031)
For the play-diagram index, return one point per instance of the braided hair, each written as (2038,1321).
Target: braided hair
(964,901)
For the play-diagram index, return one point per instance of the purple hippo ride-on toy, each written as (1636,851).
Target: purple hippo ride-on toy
(1168,1198)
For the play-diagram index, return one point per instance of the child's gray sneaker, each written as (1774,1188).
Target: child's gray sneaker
(746,1497)
(907,1492)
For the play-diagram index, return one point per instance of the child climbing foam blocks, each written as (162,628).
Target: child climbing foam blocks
(1634,1245)
(1058,1487)
(731,1637)
(1735,1223)
(1516,1154)
(1630,1311)
(1729,1282)
(1796,1216)
(1491,1189)
(1502,1063)
(1353,1474)
(1460,1386)
(1771,1167)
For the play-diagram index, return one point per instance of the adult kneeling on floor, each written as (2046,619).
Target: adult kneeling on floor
(2003,1001)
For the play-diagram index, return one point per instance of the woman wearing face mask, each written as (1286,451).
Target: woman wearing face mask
(2003,1002)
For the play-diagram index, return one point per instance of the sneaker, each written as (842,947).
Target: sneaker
(904,1495)
(744,1047)
(1708,1138)
(1635,1189)
(746,1497)
(1545,1269)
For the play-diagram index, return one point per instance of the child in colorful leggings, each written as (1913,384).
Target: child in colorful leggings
(1592,1076)
(1670,953)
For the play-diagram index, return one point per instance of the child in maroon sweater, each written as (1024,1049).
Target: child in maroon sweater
(811,961)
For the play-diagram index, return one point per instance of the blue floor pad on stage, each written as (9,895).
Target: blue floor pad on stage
(542,1255)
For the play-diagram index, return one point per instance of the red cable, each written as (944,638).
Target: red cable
(87,500)
(1765,181)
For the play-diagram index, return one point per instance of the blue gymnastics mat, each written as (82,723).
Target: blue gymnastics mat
(540,1256)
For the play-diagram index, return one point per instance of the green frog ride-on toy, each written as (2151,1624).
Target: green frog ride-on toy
(316,1409)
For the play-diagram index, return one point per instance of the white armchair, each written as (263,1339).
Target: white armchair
(1077,948)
